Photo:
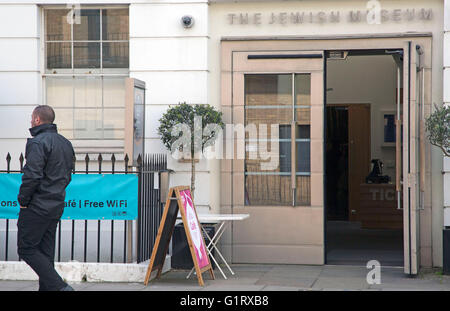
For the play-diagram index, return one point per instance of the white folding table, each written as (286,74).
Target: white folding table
(224,220)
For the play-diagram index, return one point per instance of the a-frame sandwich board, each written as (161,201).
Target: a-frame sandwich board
(179,199)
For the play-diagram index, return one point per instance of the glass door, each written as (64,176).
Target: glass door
(278,97)
(278,107)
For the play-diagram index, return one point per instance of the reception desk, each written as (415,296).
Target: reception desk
(378,207)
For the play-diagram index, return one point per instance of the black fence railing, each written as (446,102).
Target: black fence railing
(149,170)
(150,205)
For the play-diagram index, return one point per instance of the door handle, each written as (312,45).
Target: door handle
(399,200)
(398,146)
(398,162)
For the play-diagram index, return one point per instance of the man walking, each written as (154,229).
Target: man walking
(46,174)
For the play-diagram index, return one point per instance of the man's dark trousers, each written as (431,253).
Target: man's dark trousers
(36,246)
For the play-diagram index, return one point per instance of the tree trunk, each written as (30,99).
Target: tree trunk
(192,177)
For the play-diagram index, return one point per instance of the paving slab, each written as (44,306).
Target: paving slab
(17,285)
(114,287)
(250,267)
(232,288)
(288,281)
(81,286)
(349,283)
(235,280)
(282,288)
(240,275)
(411,285)
(344,272)
(31,288)
(156,288)
(295,271)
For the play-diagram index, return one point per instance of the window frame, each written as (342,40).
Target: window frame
(81,145)
(81,71)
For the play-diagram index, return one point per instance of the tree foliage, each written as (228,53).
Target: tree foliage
(190,126)
(184,114)
(438,128)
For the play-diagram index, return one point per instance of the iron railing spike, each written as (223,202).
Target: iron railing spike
(21,158)
(139,160)
(100,159)
(126,163)
(86,159)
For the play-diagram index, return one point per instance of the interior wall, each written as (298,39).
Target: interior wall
(367,79)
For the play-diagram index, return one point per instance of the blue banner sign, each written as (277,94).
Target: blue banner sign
(96,196)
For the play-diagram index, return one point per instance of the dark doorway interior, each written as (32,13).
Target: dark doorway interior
(337,163)
(348,242)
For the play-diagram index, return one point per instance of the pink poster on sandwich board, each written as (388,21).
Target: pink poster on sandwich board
(194,228)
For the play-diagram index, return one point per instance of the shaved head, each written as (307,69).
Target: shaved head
(45,114)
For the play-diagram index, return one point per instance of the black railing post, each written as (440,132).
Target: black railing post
(139,233)
(126,159)
(100,159)
(151,197)
(73,221)
(86,159)
(8,170)
(21,159)
(157,205)
(113,162)
(149,204)
(8,163)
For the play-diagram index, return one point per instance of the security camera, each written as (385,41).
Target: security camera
(187,21)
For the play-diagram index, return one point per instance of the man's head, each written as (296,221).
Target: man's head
(42,114)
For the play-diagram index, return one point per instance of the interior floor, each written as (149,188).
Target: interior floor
(348,243)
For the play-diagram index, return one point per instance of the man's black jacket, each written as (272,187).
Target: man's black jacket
(47,172)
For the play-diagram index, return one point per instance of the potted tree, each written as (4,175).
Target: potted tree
(438,128)
(189,129)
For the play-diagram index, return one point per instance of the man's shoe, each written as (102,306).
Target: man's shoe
(68,288)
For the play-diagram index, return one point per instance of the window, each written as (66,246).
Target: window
(96,39)
(86,63)
(88,107)
(278,101)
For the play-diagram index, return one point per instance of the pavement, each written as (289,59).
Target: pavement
(258,277)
